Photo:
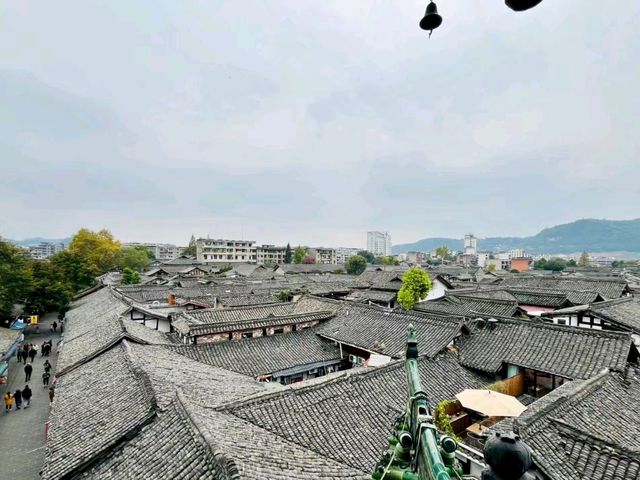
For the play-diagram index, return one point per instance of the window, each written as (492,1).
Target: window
(278,330)
(247,334)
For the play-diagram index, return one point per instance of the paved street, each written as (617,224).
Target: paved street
(22,432)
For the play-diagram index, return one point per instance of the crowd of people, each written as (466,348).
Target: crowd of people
(26,353)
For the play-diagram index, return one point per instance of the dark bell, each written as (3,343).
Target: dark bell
(521,5)
(507,456)
(431,19)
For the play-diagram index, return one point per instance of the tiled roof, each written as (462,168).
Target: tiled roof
(587,429)
(168,372)
(468,305)
(371,295)
(96,405)
(217,315)
(540,299)
(347,418)
(382,331)
(624,312)
(566,351)
(171,447)
(270,321)
(254,453)
(607,287)
(263,355)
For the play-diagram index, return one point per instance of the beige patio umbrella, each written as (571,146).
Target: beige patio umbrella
(490,403)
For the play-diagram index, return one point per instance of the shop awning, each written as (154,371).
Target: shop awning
(490,403)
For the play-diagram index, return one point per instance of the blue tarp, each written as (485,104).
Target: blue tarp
(18,325)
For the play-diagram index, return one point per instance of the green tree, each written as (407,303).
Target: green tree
(416,285)
(74,269)
(285,296)
(584,260)
(356,265)
(540,264)
(556,264)
(288,256)
(443,252)
(390,260)
(135,258)
(299,254)
(491,267)
(50,290)
(572,263)
(99,249)
(192,249)
(368,256)
(129,277)
(15,279)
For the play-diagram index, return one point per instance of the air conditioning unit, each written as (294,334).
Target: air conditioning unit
(353,359)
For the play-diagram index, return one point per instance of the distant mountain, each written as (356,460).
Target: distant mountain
(27,242)
(583,235)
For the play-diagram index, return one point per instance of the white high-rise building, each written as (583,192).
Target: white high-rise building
(470,244)
(379,243)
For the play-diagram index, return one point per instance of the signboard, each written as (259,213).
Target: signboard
(33,319)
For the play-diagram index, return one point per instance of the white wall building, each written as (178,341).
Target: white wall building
(162,251)
(226,251)
(343,254)
(516,253)
(482,259)
(271,254)
(323,256)
(379,243)
(44,250)
(470,244)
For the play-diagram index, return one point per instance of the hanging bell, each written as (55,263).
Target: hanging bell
(521,5)
(431,19)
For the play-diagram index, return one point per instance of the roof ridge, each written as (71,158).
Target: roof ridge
(564,328)
(218,457)
(142,375)
(574,393)
(581,435)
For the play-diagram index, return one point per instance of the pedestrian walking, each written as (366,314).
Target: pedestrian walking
(45,378)
(61,328)
(52,393)
(55,326)
(47,366)
(25,353)
(28,369)
(26,396)
(19,354)
(32,353)
(8,401)
(17,396)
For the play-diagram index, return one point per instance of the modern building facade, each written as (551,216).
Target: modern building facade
(161,251)
(226,251)
(323,255)
(270,254)
(44,250)
(470,244)
(379,243)
(343,254)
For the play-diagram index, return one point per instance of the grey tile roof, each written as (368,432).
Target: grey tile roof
(566,351)
(348,417)
(263,355)
(624,312)
(587,429)
(168,372)
(171,447)
(271,321)
(540,299)
(468,305)
(371,295)
(382,331)
(253,453)
(218,315)
(607,287)
(96,405)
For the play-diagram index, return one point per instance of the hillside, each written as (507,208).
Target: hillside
(590,235)
(27,242)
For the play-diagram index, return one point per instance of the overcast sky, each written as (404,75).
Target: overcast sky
(315,121)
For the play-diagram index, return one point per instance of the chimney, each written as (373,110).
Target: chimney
(171,299)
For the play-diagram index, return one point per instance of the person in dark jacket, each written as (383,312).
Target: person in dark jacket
(52,393)
(55,326)
(32,353)
(45,378)
(26,396)
(47,366)
(25,353)
(28,369)
(17,396)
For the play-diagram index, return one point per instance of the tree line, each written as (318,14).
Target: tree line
(49,285)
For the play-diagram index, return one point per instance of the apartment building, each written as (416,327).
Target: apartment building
(343,254)
(270,254)
(323,256)
(44,250)
(226,251)
(379,243)
(161,251)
